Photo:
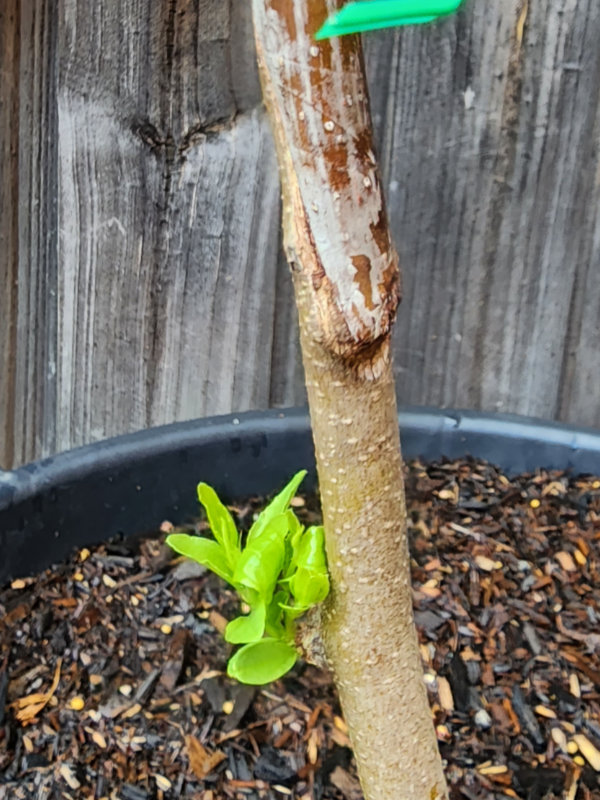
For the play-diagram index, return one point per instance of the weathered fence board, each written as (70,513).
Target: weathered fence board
(142,279)
(9,137)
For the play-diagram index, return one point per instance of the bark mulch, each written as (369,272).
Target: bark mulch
(111,665)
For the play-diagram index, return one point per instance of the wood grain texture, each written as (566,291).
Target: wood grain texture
(141,275)
(154,297)
(32,371)
(9,194)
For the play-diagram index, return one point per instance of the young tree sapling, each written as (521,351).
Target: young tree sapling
(347,288)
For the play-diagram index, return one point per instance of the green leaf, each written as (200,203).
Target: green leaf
(296,529)
(309,588)
(248,628)
(310,549)
(274,625)
(202,550)
(310,582)
(262,662)
(221,522)
(277,506)
(260,563)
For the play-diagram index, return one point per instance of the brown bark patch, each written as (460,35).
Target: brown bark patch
(337,162)
(391,288)
(316,16)
(363,146)
(285,11)
(380,232)
(362,265)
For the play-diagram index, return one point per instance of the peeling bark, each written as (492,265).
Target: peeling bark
(346,281)
(319,108)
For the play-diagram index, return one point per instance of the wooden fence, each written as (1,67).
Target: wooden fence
(141,279)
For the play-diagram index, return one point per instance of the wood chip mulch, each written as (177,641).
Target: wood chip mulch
(111,665)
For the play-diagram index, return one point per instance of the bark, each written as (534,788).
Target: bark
(346,281)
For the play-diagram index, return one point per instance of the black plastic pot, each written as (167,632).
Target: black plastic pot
(130,484)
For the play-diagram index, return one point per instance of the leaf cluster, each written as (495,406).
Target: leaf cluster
(279,572)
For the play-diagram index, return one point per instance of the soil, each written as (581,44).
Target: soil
(112,664)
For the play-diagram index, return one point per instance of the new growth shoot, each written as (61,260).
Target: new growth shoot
(279,572)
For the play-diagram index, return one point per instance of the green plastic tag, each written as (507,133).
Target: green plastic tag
(368,15)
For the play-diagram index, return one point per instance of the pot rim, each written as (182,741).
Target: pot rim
(129,484)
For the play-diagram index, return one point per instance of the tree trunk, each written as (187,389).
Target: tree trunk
(346,281)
